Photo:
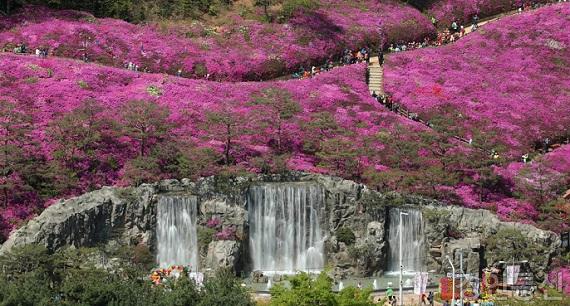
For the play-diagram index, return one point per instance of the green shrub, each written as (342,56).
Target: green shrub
(224,289)
(345,234)
(143,257)
(290,7)
(32,276)
(205,236)
(154,90)
(82,84)
(200,70)
(31,80)
(305,290)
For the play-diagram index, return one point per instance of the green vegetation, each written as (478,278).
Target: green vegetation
(33,276)
(290,7)
(364,251)
(434,215)
(345,234)
(82,84)
(306,291)
(205,236)
(154,91)
(133,10)
(510,243)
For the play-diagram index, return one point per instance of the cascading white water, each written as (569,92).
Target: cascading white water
(285,231)
(413,250)
(176,231)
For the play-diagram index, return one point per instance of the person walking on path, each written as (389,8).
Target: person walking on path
(380,56)
(454,27)
(430,298)
(390,293)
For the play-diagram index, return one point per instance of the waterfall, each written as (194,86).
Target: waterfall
(176,231)
(285,234)
(413,249)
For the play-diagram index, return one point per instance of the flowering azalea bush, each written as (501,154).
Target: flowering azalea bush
(213,223)
(560,278)
(228,233)
(240,49)
(510,79)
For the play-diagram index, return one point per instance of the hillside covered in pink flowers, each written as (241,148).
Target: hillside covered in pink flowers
(509,79)
(239,49)
(68,127)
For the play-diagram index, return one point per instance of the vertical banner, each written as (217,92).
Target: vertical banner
(420,282)
(425,277)
(512,274)
(488,283)
(446,288)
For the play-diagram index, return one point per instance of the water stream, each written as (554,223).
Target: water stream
(176,231)
(413,248)
(285,230)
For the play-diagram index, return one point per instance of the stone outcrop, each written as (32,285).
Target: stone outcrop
(222,254)
(484,239)
(120,214)
(127,217)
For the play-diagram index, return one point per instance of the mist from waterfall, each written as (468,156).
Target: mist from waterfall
(413,248)
(176,231)
(285,231)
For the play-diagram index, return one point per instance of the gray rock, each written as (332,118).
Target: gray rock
(479,229)
(222,254)
(124,215)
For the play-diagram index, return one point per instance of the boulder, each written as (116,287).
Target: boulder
(222,254)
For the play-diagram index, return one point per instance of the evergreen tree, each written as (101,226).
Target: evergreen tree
(277,108)
(17,150)
(146,123)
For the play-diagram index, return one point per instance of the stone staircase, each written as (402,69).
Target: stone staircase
(376,79)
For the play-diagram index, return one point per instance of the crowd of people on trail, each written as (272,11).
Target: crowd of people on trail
(468,303)
(389,103)
(402,46)
(450,34)
(348,57)
(42,52)
(132,66)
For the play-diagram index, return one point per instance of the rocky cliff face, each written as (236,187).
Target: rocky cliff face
(484,240)
(123,215)
(127,217)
